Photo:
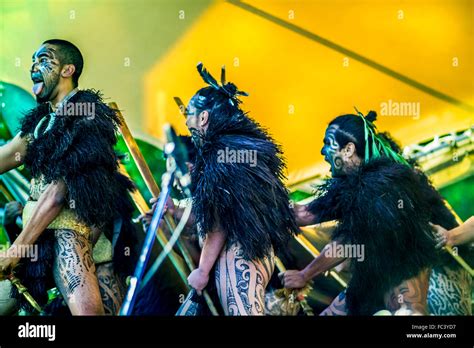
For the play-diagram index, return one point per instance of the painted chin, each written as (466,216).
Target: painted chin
(44,95)
(336,168)
(337,171)
(50,81)
(195,136)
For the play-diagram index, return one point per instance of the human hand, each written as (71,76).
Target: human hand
(441,236)
(293,279)
(198,280)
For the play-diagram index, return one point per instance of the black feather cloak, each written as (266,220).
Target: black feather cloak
(79,150)
(381,206)
(247,198)
(441,215)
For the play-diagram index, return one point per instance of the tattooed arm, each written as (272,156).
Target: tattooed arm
(49,205)
(12,154)
(297,279)
(211,249)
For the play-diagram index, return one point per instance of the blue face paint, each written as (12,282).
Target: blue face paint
(331,151)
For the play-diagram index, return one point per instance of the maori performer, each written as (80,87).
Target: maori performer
(380,203)
(240,205)
(76,192)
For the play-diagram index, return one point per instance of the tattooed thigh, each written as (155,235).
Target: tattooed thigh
(74,273)
(241,283)
(337,306)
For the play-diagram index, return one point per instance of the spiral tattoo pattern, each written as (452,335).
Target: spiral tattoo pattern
(241,283)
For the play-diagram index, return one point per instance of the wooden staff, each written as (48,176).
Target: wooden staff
(155,192)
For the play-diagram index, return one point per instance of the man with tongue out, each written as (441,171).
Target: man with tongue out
(76,190)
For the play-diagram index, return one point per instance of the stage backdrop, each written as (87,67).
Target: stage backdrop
(303,62)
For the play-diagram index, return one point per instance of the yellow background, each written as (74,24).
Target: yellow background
(142,53)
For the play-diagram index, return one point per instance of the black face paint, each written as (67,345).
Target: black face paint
(331,151)
(196,136)
(45,72)
(191,123)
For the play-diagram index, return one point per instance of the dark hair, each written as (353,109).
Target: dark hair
(69,54)
(220,106)
(351,129)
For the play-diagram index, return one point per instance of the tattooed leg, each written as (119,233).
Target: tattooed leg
(189,307)
(450,292)
(110,288)
(74,273)
(240,283)
(337,307)
(410,297)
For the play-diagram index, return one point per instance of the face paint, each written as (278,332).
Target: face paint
(331,151)
(192,124)
(45,72)
(196,135)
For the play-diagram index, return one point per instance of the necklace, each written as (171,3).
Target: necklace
(52,115)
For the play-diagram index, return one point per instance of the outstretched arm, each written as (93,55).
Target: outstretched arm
(12,154)
(463,234)
(48,207)
(294,279)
